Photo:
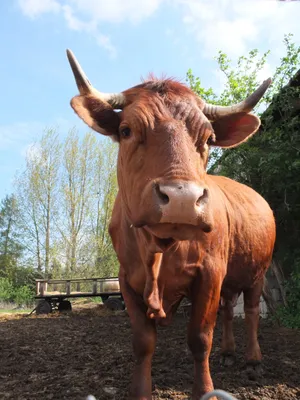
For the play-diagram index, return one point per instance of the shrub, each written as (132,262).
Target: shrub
(290,315)
(23,295)
(6,290)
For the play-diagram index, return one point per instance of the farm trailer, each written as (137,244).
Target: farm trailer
(52,293)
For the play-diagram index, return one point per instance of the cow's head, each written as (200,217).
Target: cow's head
(164,132)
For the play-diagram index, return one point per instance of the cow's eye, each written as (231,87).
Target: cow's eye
(125,132)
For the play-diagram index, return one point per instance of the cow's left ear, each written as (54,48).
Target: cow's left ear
(232,130)
(97,114)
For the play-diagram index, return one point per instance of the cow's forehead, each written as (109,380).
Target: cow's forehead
(151,103)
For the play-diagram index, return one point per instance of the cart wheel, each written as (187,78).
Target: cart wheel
(64,306)
(43,307)
(114,304)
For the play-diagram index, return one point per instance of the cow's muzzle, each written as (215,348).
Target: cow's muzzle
(181,202)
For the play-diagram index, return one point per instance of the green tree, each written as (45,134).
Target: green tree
(76,191)
(36,190)
(105,187)
(10,242)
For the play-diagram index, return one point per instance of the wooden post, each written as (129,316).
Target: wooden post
(42,288)
(37,288)
(94,286)
(278,272)
(68,287)
(78,287)
(267,296)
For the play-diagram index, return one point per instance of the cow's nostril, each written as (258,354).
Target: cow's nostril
(202,197)
(161,195)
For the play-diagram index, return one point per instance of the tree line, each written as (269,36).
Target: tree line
(55,223)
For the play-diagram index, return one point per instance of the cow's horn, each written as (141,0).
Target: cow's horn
(116,100)
(214,112)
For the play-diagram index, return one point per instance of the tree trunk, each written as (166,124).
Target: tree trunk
(47,239)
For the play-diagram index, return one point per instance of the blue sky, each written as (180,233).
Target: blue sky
(117,42)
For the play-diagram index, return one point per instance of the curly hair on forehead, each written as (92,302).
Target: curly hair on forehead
(153,78)
(164,85)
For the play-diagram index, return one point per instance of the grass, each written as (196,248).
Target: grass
(12,311)
(12,308)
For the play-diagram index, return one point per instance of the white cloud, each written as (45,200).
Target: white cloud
(116,10)
(266,72)
(234,26)
(76,24)
(87,15)
(105,42)
(34,8)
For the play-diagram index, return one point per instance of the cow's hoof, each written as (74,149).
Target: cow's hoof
(254,370)
(227,359)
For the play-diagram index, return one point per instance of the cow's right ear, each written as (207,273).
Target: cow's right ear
(97,114)
(233,130)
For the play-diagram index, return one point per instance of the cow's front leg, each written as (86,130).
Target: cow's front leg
(205,303)
(143,341)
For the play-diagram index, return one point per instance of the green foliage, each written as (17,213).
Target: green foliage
(9,293)
(290,315)
(10,241)
(56,224)
(6,290)
(195,84)
(65,197)
(25,276)
(241,79)
(23,296)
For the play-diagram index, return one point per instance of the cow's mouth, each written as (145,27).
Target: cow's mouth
(167,234)
(164,244)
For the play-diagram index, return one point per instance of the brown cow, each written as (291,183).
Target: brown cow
(178,231)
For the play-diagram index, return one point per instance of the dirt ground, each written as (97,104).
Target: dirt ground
(88,351)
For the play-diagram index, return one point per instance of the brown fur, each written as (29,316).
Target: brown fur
(227,253)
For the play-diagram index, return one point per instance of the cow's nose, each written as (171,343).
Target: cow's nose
(180,202)
(180,192)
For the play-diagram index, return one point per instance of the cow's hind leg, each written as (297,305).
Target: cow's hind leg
(251,308)
(228,344)
(143,340)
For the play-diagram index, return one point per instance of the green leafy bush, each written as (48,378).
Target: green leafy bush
(6,290)
(9,293)
(290,316)
(23,296)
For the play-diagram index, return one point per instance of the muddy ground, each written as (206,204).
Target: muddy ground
(88,351)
